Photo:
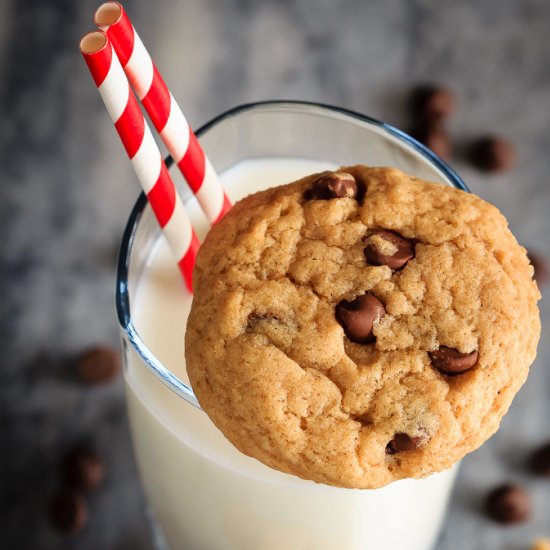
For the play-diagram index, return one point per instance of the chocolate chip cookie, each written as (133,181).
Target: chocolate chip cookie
(361,326)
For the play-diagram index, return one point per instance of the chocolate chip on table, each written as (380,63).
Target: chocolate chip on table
(83,470)
(432,103)
(540,266)
(98,365)
(335,185)
(540,461)
(388,248)
(451,361)
(68,512)
(434,137)
(359,316)
(492,154)
(509,504)
(402,442)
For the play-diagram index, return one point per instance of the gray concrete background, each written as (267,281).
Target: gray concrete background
(66,189)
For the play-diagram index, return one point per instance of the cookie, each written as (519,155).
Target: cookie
(358,337)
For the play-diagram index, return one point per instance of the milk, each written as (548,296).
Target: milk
(204,493)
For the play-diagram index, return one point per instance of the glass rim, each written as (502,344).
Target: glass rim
(122,298)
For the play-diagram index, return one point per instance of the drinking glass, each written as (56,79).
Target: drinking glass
(202,493)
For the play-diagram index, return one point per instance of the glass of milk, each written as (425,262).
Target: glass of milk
(202,492)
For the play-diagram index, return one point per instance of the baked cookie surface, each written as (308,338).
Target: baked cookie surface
(358,327)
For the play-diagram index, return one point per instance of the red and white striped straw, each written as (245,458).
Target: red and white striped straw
(140,145)
(165,113)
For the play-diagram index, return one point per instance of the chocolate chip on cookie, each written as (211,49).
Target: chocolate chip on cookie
(402,442)
(388,248)
(336,185)
(509,504)
(359,316)
(452,361)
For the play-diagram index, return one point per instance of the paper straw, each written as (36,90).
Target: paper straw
(142,150)
(162,108)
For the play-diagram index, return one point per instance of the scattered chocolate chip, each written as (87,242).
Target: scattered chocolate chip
(432,103)
(388,248)
(492,154)
(508,504)
(434,137)
(335,185)
(540,461)
(452,361)
(540,266)
(98,365)
(68,512)
(83,470)
(358,317)
(402,442)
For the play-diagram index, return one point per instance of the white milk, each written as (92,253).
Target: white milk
(207,495)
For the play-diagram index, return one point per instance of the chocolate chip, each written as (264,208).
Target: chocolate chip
(540,461)
(452,361)
(388,248)
(432,103)
(335,185)
(540,266)
(508,504)
(68,512)
(358,317)
(434,137)
(402,442)
(98,365)
(492,154)
(83,470)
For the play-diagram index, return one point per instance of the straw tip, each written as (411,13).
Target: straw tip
(108,14)
(93,42)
